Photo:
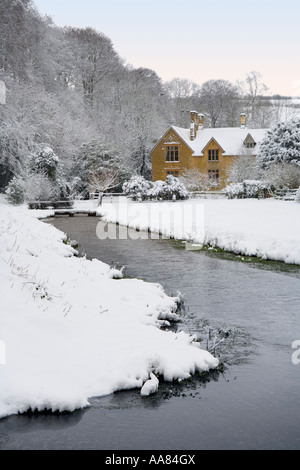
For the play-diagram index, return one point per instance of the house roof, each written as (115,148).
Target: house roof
(230,139)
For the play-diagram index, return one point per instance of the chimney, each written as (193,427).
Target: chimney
(201,120)
(194,125)
(243,121)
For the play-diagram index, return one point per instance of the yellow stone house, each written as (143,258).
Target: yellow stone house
(210,150)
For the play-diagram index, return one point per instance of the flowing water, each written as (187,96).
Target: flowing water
(251,307)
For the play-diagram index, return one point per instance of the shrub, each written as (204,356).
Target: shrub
(247,189)
(282,176)
(140,189)
(39,188)
(137,188)
(171,189)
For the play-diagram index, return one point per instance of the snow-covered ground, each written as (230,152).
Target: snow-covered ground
(70,331)
(268,229)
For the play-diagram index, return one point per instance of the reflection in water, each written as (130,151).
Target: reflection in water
(40,421)
(252,306)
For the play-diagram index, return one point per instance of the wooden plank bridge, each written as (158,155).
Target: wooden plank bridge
(62,208)
(74,212)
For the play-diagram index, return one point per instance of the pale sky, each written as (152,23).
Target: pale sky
(199,40)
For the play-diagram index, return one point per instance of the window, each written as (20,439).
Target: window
(250,145)
(213,155)
(172,153)
(213,176)
(249,142)
(173,173)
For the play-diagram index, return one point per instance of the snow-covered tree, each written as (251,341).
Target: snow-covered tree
(94,161)
(44,162)
(68,86)
(44,168)
(297,198)
(15,191)
(95,60)
(40,179)
(282,176)
(15,36)
(281,145)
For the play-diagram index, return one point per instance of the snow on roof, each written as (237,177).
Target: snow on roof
(230,139)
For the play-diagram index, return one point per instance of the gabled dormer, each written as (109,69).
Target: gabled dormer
(249,142)
(212,150)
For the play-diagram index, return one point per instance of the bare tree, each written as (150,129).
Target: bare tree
(255,87)
(39,188)
(283,110)
(243,168)
(104,180)
(195,180)
(253,90)
(184,96)
(217,98)
(181,88)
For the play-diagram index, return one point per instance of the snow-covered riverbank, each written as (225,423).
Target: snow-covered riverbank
(268,229)
(69,331)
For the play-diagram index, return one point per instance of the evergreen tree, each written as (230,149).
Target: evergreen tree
(93,159)
(281,145)
(45,162)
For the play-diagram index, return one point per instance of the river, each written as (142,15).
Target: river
(254,404)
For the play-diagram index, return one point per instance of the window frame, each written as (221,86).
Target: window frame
(250,145)
(172,153)
(214,176)
(174,173)
(213,155)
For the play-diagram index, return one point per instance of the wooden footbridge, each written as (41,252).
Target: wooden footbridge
(62,208)
(74,212)
(66,208)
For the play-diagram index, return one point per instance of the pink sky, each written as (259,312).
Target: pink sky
(200,40)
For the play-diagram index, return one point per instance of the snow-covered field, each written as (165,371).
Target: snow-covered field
(268,229)
(70,331)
